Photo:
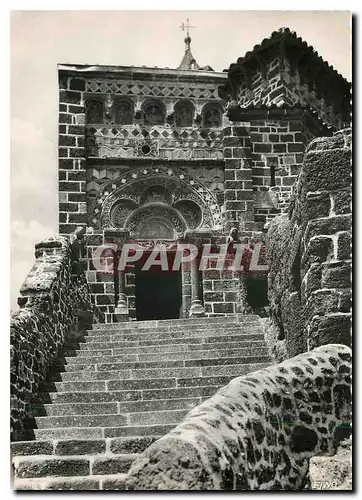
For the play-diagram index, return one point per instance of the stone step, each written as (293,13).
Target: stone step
(154,378)
(118,336)
(120,420)
(84,358)
(113,328)
(188,340)
(78,483)
(75,465)
(137,327)
(230,318)
(103,432)
(99,347)
(129,395)
(68,447)
(131,385)
(157,368)
(114,408)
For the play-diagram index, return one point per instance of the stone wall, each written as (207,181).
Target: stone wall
(309,251)
(277,155)
(71,152)
(285,308)
(258,432)
(54,304)
(263,156)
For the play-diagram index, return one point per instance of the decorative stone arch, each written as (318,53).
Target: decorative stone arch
(124,111)
(156,194)
(144,222)
(190,211)
(94,110)
(177,182)
(121,211)
(212,113)
(153,112)
(184,112)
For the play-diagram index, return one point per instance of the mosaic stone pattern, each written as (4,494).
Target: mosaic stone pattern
(152,89)
(155,142)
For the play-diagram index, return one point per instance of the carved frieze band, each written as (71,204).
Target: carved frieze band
(150,89)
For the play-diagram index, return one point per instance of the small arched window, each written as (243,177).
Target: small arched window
(184,114)
(94,111)
(123,113)
(212,116)
(153,113)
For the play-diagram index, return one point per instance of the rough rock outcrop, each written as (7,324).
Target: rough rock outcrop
(258,432)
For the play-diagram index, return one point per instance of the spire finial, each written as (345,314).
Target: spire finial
(188,61)
(187,26)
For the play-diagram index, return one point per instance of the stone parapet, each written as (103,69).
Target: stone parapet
(54,303)
(309,250)
(258,432)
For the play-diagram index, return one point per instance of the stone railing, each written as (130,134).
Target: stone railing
(258,432)
(54,303)
(309,252)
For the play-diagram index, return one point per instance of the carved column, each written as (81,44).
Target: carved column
(118,237)
(121,312)
(197,309)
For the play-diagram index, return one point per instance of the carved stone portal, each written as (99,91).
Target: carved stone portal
(156,206)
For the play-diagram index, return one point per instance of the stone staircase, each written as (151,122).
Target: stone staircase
(124,387)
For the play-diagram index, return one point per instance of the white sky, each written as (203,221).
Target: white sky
(40,40)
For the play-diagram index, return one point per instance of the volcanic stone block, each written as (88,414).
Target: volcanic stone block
(344,245)
(224,307)
(131,444)
(32,448)
(327,169)
(342,202)
(221,443)
(328,226)
(76,483)
(317,205)
(80,447)
(116,465)
(114,483)
(336,275)
(334,328)
(52,467)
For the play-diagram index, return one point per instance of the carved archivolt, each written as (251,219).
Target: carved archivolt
(158,194)
(156,221)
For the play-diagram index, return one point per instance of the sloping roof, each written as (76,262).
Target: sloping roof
(286,45)
(292,39)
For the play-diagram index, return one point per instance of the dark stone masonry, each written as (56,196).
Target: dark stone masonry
(309,251)
(123,378)
(55,305)
(258,432)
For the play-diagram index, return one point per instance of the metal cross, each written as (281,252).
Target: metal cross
(186,26)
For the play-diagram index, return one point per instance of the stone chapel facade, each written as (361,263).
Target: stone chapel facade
(159,156)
